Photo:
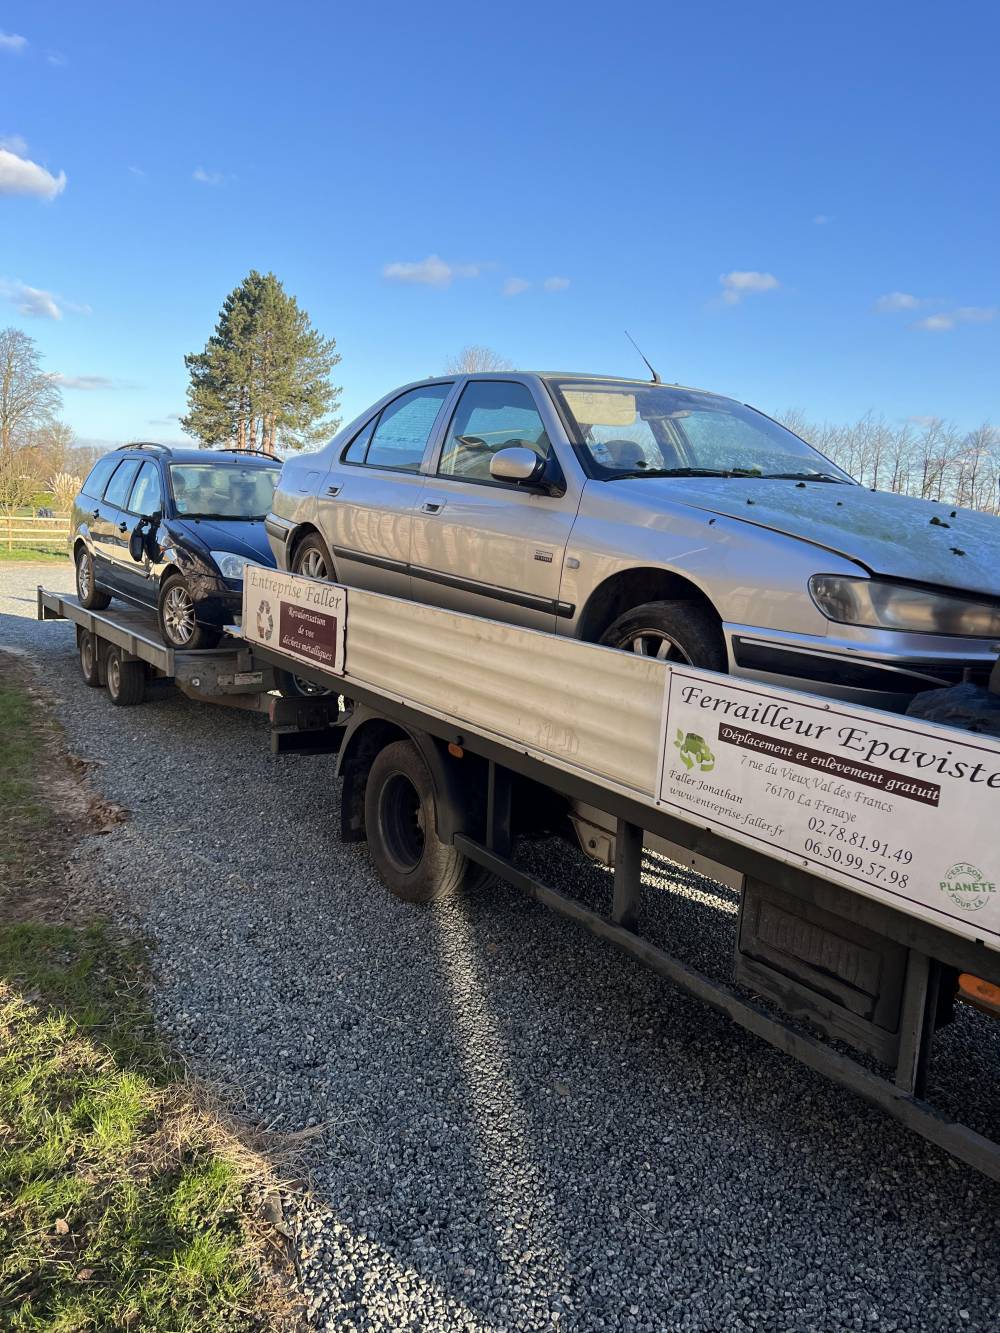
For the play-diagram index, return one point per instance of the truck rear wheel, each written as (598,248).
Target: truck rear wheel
(126,680)
(401,828)
(90,661)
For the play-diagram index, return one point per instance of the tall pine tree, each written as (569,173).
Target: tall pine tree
(263,379)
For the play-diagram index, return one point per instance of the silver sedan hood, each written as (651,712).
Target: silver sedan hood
(893,535)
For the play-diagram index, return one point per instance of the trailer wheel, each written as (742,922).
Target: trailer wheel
(126,680)
(90,658)
(401,829)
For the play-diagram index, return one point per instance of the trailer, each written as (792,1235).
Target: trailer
(859,842)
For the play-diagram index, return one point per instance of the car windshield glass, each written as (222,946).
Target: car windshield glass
(222,490)
(635,430)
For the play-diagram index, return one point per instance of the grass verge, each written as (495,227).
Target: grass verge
(126,1201)
(31,555)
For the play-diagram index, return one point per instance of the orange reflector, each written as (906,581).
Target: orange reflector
(982,994)
(456,751)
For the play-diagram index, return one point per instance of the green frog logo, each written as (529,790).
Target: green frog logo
(694,752)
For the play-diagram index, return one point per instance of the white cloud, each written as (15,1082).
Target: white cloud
(14,144)
(555,284)
(31,301)
(11,41)
(138,171)
(430,272)
(37,303)
(57,58)
(515,286)
(742,283)
(947,319)
(19,175)
(204,177)
(88,383)
(821,219)
(893,302)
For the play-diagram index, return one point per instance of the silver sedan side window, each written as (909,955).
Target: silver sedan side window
(491,415)
(401,434)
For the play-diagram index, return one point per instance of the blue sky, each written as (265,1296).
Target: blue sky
(739,185)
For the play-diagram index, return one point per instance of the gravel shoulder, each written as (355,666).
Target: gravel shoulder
(516,1127)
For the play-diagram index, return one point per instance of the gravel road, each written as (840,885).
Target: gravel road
(517,1128)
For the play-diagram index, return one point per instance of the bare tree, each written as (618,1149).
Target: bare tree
(936,462)
(29,399)
(16,486)
(473,359)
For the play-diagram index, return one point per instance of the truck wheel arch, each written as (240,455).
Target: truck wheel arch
(459,784)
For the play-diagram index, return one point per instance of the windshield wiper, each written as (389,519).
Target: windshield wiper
(804,476)
(677,472)
(241,518)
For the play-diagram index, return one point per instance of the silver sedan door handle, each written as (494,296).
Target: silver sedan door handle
(335,490)
(432,506)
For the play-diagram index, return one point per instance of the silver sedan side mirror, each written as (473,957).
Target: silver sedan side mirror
(516,464)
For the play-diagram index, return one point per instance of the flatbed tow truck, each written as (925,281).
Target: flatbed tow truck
(862,843)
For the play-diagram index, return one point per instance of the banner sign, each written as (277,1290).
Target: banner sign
(305,618)
(894,807)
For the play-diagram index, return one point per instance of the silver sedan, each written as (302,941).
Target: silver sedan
(649,517)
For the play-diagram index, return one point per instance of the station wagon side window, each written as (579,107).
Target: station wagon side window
(147,495)
(98,478)
(121,482)
(491,415)
(401,432)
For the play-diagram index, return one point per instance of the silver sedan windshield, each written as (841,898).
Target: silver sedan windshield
(637,430)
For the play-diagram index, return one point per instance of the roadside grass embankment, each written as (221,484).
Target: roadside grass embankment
(126,1201)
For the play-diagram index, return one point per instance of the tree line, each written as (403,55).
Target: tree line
(929,457)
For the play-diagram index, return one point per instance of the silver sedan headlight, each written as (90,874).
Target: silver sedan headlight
(230,566)
(894,606)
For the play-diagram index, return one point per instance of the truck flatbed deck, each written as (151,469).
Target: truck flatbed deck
(476,734)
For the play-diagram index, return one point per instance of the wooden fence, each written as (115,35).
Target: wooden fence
(22,530)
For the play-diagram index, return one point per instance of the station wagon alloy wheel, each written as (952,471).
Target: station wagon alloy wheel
(84,577)
(178,615)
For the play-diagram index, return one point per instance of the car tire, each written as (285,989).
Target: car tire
(178,624)
(401,829)
(87,590)
(126,680)
(313,559)
(90,657)
(683,633)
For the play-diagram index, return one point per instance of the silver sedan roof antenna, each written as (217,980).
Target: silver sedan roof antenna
(656,378)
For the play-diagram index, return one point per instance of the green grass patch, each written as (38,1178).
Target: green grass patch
(32,555)
(125,1203)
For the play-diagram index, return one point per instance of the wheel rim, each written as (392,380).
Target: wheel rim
(83,576)
(312,564)
(309,687)
(656,643)
(178,614)
(401,821)
(114,673)
(87,654)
